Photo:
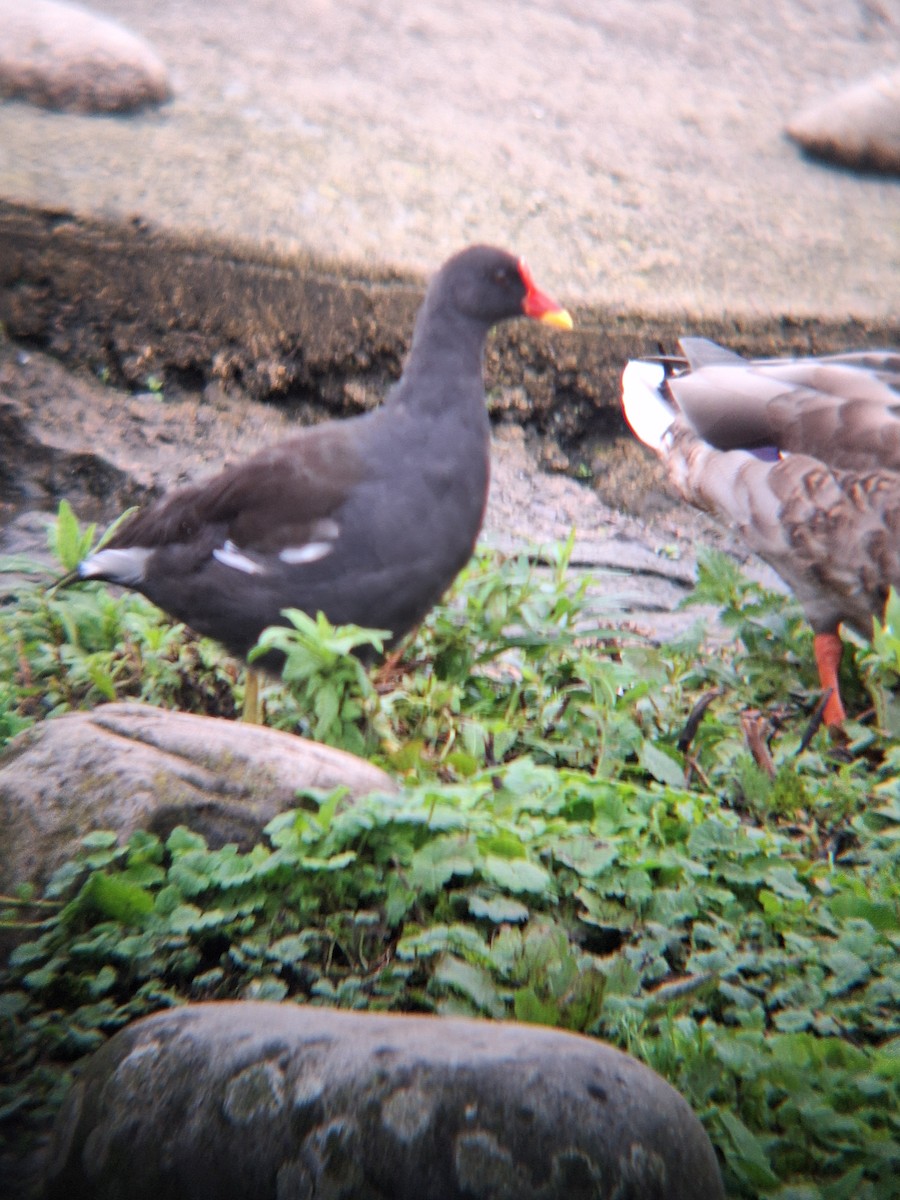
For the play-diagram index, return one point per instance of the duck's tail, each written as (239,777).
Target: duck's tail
(646,403)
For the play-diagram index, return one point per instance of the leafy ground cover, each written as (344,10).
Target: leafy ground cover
(650,845)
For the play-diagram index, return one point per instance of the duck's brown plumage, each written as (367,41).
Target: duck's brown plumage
(802,456)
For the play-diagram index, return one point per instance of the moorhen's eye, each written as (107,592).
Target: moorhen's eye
(501,275)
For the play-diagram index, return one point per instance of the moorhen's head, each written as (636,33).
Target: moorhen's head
(491,285)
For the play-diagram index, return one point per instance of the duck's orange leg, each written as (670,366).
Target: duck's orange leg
(829,648)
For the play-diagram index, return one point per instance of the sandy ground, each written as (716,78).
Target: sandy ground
(632,149)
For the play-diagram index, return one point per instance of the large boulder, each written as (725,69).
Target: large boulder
(130,766)
(62,56)
(251,1101)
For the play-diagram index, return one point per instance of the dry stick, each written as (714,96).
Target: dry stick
(754,725)
(21,902)
(693,722)
(815,721)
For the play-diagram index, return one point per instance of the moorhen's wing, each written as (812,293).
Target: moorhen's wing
(285,496)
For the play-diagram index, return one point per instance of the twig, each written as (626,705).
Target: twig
(692,767)
(17,900)
(755,725)
(696,716)
(815,721)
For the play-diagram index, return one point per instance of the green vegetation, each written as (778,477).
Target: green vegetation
(584,840)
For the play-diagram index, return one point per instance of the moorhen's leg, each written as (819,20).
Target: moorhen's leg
(252,710)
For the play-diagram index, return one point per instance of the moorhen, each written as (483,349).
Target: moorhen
(803,456)
(367,519)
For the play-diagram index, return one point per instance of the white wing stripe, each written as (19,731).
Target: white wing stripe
(229,556)
(310,552)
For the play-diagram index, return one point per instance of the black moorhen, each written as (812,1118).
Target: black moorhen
(367,520)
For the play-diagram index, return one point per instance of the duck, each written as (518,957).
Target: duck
(366,519)
(802,457)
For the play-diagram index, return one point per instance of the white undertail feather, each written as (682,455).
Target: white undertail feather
(646,409)
(119,566)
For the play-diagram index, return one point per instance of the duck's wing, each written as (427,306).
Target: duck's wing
(843,409)
(832,535)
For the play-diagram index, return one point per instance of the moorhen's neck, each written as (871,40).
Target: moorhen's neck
(447,349)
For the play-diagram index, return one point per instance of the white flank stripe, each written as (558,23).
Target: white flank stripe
(311,552)
(646,409)
(119,566)
(229,556)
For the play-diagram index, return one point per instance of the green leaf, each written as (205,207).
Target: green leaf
(848,970)
(425,943)
(471,981)
(516,875)
(292,948)
(183,840)
(99,839)
(189,918)
(503,844)
(12,1004)
(588,857)
(439,861)
(499,909)
(660,764)
(534,1011)
(882,916)
(327,706)
(103,981)
(886,1061)
(747,1152)
(67,541)
(784,883)
(265,989)
(117,898)
(41,978)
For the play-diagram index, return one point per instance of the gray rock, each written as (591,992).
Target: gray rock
(858,127)
(131,766)
(235,1101)
(61,56)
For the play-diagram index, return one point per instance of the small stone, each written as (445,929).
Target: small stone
(859,127)
(553,458)
(408,1108)
(131,766)
(61,56)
